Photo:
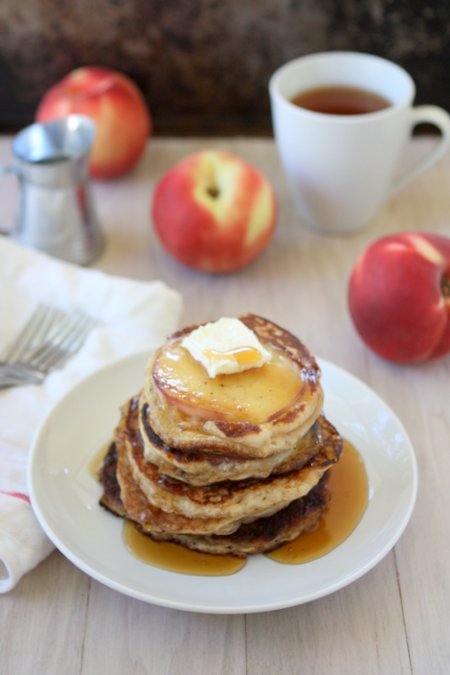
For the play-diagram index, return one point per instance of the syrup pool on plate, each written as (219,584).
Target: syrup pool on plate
(348,487)
(176,558)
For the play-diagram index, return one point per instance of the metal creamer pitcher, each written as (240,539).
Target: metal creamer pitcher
(56,212)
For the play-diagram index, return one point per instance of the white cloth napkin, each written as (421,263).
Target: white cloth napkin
(132,316)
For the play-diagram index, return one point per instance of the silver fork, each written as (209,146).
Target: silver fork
(45,343)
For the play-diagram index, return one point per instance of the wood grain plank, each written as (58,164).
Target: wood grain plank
(42,621)
(359,629)
(136,637)
(423,553)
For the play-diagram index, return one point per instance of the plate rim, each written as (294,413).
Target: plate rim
(241,608)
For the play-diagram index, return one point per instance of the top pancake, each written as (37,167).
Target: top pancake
(195,427)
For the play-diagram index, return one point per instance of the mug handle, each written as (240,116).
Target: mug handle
(438,117)
(3,171)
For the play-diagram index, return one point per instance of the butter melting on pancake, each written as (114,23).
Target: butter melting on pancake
(226,346)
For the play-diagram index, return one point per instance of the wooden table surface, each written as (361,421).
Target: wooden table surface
(393,620)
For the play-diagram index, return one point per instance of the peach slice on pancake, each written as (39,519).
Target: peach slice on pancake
(253,396)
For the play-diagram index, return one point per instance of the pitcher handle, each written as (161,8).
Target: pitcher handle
(9,168)
(426,114)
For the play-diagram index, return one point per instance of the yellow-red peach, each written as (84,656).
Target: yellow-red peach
(214,212)
(399,296)
(121,115)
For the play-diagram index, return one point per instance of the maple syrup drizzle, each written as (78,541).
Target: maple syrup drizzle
(176,558)
(348,486)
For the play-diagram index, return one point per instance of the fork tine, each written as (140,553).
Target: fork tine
(14,350)
(63,344)
(37,358)
(72,344)
(33,333)
(19,373)
(48,339)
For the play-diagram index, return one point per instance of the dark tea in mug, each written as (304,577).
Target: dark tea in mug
(336,100)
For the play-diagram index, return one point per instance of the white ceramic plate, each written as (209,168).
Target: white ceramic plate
(65,496)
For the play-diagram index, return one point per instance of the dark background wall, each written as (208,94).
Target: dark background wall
(203,65)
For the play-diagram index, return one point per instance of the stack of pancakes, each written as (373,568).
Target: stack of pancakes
(232,464)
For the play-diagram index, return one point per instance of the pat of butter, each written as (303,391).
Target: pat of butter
(225,347)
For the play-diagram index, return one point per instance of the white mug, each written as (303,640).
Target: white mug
(341,168)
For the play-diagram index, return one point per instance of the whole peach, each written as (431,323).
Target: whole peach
(399,296)
(115,104)
(214,212)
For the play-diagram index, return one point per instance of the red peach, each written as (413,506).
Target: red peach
(214,212)
(115,104)
(399,296)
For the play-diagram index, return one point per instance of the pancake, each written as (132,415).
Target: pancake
(237,463)
(154,520)
(266,534)
(107,476)
(262,535)
(123,497)
(235,500)
(204,468)
(195,424)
